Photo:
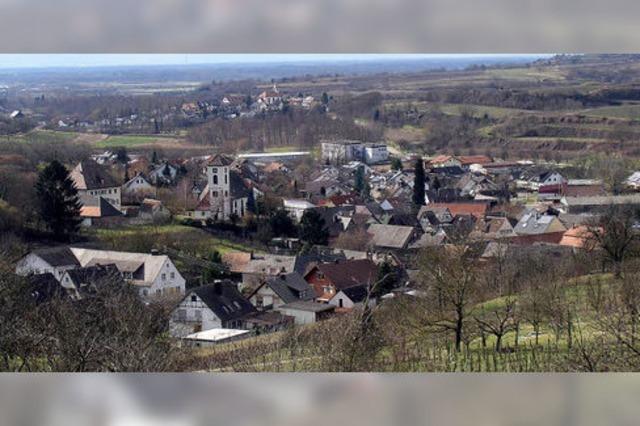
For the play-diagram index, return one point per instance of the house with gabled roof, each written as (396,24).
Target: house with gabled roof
(100,212)
(535,223)
(152,274)
(54,260)
(281,289)
(326,279)
(94,181)
(82,282)
(217,305)
(137,188)
(351,297)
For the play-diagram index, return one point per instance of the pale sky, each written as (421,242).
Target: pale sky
(93,60)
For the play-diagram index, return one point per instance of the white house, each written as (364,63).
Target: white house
(350,297)
(54,260)
(217,305)
(296,208)
(375,153)
(152,274)
(138,188)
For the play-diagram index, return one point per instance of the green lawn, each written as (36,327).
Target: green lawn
(629,111)
(45,136)
(132,140)
(178,237)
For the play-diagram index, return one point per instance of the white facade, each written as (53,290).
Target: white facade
(222,202)
(191,316)
(296,208)
(92,196)
(341,300)
(266,297)
(154,275)
(138,187)
(34,264)
(300,317)
(375,153)
(342,151)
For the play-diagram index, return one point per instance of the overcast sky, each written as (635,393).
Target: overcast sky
(89,60)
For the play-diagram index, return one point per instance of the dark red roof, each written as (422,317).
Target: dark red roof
(348,273)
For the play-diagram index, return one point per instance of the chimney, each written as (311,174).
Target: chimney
(155,252)
(251,256)
(217,287)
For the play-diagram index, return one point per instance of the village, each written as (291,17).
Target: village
(326,232)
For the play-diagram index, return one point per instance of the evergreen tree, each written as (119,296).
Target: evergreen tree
(396,163)
(282,225)
(312,228)
(360,180)
(418,183)
(58,203)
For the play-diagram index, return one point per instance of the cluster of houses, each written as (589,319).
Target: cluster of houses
(367,207)
(229,106)
(107,201)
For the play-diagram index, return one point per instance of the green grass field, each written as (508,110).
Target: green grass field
(629,111)
(133,140)
(179,237)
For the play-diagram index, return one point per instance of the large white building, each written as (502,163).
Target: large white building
(152,274)
(344,151)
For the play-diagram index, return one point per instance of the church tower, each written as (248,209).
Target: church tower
(219,186)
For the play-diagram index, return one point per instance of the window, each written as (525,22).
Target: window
(172,275)
(327,289)
(225,178)
(182,314)
(320,275)
(215,179)
(158,292)
(214,193)
(164,277)
(194,298)
(214,170)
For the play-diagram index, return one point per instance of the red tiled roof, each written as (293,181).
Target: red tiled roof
(575,237)
(349,273)
(477,210)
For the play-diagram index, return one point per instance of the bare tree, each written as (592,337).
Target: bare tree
(613,233)
(451,280)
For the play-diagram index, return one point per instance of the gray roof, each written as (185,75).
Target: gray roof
(391,236)
(224,299)
(534,223)
(57,256)
(290,287)
(90,175)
